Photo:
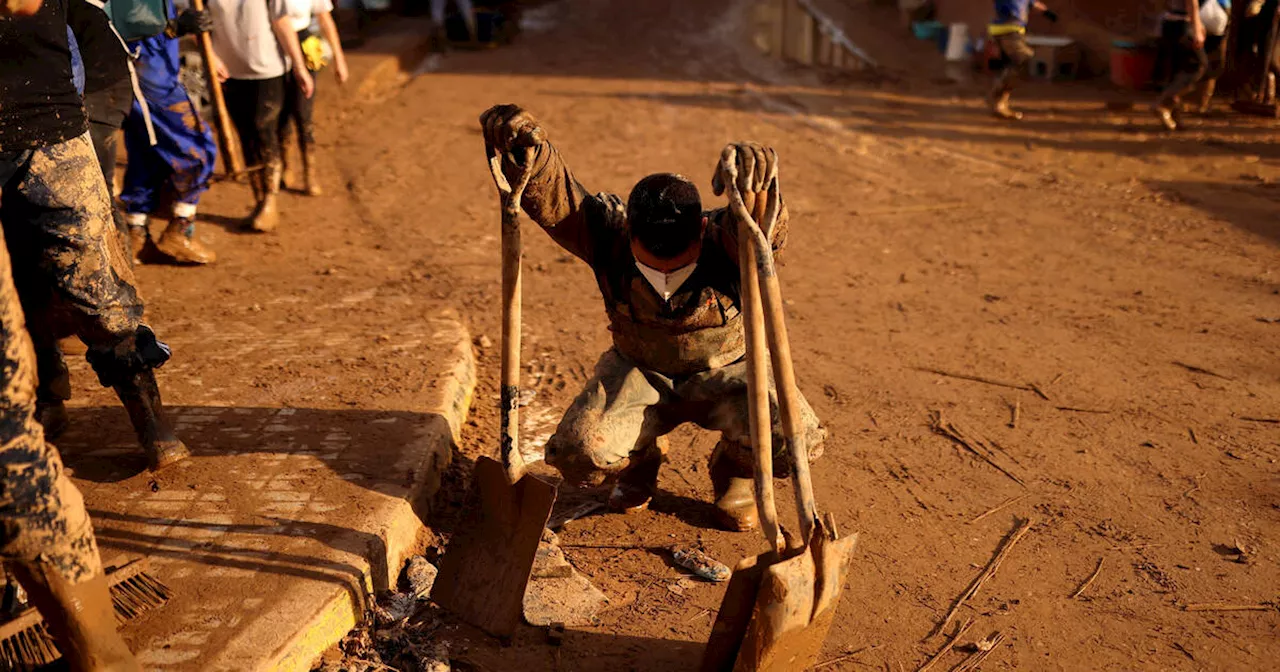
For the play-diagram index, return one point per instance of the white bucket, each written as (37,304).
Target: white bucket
(957,41)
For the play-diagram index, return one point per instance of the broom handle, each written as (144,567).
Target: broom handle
(509,196)
(232,159)
(779,346)
(758,386)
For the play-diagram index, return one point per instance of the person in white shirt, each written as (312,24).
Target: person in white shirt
(305,16)
(256,46)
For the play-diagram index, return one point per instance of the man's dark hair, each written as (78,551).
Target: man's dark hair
(664,212)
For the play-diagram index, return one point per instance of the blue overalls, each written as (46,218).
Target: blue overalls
(183,156)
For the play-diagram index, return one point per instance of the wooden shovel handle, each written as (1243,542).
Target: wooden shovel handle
(509,196)
(758,389)
(779,341)
(228,141)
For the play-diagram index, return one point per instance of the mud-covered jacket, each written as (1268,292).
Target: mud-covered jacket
(700,327)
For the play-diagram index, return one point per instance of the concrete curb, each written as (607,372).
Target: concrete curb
(397,524)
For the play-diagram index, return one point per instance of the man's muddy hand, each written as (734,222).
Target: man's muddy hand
(756,164)
(19,7)
(509,128)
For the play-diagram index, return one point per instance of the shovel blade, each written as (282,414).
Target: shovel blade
(734,615)
(795,605)
(486,567)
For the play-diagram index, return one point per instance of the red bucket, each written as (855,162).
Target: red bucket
(1132,65)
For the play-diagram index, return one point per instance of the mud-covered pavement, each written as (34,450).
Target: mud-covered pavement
(1127,275)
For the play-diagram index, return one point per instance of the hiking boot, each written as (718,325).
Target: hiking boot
(734,488)
(141,398)
(638,482)
(179,243)
(311,181)
(1164,113)
(52,416)
(1000,107)
(266,216)
(80,617)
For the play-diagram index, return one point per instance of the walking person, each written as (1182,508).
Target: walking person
(305,16)
(256,46)
(1182,38)
(1009,32)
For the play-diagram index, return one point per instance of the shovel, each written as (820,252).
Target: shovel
(487,564)
(779,605)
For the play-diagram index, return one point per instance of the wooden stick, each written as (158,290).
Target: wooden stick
(946,648)
(1039,392)
(228,141)
(987,573)
(975,659)
(1017,410)
(840,659)
(1055,379)
(954,433)
(1219,606)
(1192,432)
(1073,409)
(1197,369)
(1273,421)
(976,379)
(1000,507)
(1088,581)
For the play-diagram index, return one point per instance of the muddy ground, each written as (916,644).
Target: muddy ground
(1127,274)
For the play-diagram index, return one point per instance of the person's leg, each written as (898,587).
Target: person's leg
(304,120)
(1215,49)
(718,399)
(64,220)
(46,538)
(1189,63)
(613,427)
(185,145)
(241,99)
(1017,54)
(268,105)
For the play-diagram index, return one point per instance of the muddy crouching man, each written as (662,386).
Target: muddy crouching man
(668,273)
(68,262)
(46,539)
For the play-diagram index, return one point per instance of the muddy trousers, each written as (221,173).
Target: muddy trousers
(178,167)
(1187,62)
(107,109)
(1016,54)
(299,112)
(625,409)
(69,266)
(42,515)
(255,106)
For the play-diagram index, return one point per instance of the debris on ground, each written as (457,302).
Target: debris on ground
(702,565)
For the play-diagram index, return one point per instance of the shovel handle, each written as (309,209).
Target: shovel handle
(758,390)
(779,341)
(509,196)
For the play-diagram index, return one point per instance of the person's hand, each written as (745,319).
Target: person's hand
(219,69)
(306,84)
(19,7)
(189,22)
(756,165)
(1197,35)
(508,128)
(340,70)
(1051,15)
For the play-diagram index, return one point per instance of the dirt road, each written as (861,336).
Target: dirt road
(1128,276)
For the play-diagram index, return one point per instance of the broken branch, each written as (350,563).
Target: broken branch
(1073,409)
(1015,411)
(1089,581)
(946,648)
(1219,606)
(1274,421)
(990,571)
(1000,507)
(1198,369)
(975,659)
(976,379)
(974,445)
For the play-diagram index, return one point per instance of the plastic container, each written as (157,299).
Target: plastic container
(927,30)
(957,42)
(1132,64)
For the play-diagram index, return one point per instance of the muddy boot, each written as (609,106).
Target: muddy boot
(1164,112)
(638,483)
(266,217)
(1205,99)
(141,398)
(139,239)
(311,180)
(80,618)
(1000,106)
(178,242)
(735,492)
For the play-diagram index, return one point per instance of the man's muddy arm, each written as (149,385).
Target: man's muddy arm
(558,202)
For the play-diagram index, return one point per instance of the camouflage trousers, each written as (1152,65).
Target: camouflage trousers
(68,262)
(42,514)
(624,409)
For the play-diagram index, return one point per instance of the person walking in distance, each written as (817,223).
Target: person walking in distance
(1009,32)
(256,46)
(299,110)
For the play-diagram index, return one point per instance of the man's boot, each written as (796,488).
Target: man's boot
(311,180)
(53,388)
(80,617)
(266,217)
(638,483)
(141,398)
(1164,112)
(1205,98)
(734,487)
(179,243)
